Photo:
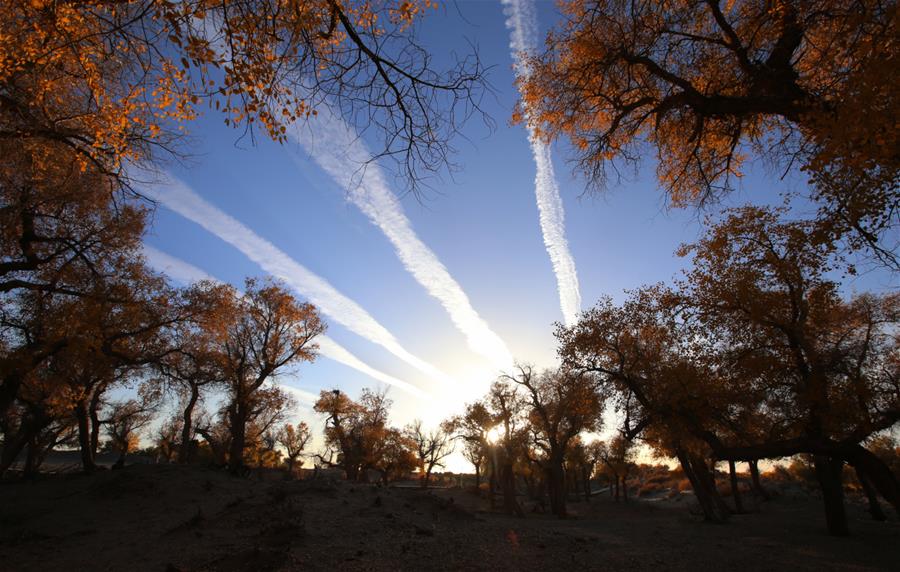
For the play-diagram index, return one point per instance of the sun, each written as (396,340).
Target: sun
(493,435)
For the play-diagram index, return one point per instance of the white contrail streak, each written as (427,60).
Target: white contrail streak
(522,26)
(338,150)
(186,273)
(175,268)
(176,196)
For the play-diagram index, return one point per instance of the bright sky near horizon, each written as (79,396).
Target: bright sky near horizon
(432,297)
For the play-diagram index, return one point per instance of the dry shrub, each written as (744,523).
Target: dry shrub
(684,485)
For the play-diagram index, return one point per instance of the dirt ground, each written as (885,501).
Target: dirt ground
(164,518)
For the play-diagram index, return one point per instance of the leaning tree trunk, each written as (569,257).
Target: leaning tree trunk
(878,473)
(735,490)
(754,479)
(828,472)
(871,495)
(185,451)
(714,509)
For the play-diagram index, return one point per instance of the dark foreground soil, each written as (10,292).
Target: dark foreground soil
(167,519)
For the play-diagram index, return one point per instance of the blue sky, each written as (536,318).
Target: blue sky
(482,225)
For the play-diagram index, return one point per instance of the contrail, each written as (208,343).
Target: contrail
(186,273)
(337,148)
(175,268)
(179,198)
(522,25)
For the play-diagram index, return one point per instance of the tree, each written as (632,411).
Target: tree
(505,404)
(617,457)
(561,404)
(652,365)
(272,331)
(113,81)
(760,286)
(431,447)
(294,440)
(394,455)
(354,431)
(195,361)
(472,428)
(703,83)
(123,422)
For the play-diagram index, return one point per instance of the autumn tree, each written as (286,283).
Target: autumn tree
(762,287)
(123,422)
(195,362)
(560,405)
(584,457)
(431,448)
(651,365)
(272,331)
(702,84)
(113,81)
(506,405)
(617,457)
(293,440)
(472,428)
(354,430)
(395,455)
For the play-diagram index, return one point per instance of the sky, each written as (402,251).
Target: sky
(431,296)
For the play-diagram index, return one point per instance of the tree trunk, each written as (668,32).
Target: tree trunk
(95,421)
(84,437)
(828,472)
(185,451)
(735,492)
(871,495)
(12,447)
(238,428)
(754,479)
(698,474)
(477,476)
(624,488)
(556,480)
(508,484)
(878,473)
(586,482)
(616,477)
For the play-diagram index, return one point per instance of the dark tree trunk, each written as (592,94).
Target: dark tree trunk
(95,420)
(754,479)
(735,490)
(586,482)
(698,474)
(12,447)
(508,484)
(871,495)
(556,482)
(878,473)
(624,488)
(828,472)
(238,422)
(84,437)
(616,477)
(477,476)
(185,451)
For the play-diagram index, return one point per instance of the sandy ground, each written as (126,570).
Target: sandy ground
(167,519)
